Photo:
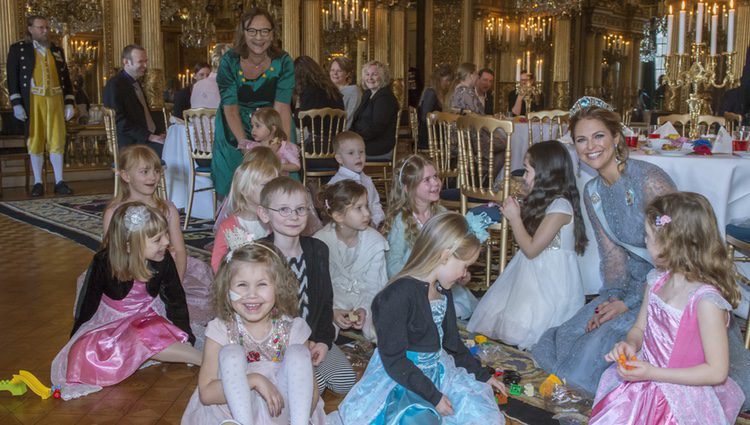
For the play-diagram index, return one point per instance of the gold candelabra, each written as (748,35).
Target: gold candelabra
(697,70)
(529,91)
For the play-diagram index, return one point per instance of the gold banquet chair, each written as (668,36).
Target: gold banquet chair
(554,117)
(681,122)
(414,127)
(316,129)
(443,142)
(709,122)
(733,121)
(199,131)
(477,172)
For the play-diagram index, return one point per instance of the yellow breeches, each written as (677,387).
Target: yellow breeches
(46,124)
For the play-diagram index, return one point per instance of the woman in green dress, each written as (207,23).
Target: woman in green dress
(255,73)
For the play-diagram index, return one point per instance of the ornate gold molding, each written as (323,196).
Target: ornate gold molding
(561,97)
(445,44)
(155,88)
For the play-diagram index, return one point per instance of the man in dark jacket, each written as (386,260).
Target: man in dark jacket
(42,97)
(124,94)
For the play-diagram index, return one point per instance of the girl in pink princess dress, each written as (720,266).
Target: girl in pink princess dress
(267,131)
(673,366)
(257,367)
(140,172)
(131,308)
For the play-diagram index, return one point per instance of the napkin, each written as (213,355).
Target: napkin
(666,129)
(627,132)
(723,142)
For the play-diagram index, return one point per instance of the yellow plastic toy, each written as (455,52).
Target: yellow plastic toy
(546,388)
(27,378)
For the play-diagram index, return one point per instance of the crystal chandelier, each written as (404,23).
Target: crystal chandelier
(198,29)
(79,15)
(167,10)
(536,8)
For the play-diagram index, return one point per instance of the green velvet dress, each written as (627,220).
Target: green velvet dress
(275,85)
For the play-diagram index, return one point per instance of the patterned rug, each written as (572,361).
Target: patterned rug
(79,218)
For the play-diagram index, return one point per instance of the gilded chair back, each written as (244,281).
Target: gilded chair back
(680,122)
(443,140)
(553,117)
(316,129)
(734,121)
(199,128)
(110,129)
(477,137)
(166,111)
(414,126)
(710,123)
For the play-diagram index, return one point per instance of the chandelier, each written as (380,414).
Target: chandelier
(535,8)
(198,29)
(167,10)
(79,15)
(82,55)
(344,23)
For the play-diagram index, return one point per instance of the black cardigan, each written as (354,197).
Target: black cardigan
(319,289)
(375,120)
(165,283)
(403,321)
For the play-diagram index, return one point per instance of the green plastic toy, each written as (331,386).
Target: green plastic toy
(15,388)
(515,389)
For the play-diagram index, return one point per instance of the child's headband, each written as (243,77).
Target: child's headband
(237,238)
(136,217)
(401,170)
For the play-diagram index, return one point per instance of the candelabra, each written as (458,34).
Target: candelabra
(698,70)
(529,91)
(197,28)
(83,55)
(344,23)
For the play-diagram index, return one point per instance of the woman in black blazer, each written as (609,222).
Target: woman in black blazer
(375,119)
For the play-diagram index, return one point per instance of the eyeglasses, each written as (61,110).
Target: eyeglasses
(264,32)
(286,211)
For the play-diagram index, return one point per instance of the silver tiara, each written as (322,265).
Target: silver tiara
(587,101)
(238,238)
(136,217)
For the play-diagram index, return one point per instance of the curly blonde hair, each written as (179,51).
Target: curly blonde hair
(407,175)
(262,254)
(691,243)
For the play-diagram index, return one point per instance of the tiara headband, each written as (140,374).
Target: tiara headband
(238,238)
(136,217)
(587,101)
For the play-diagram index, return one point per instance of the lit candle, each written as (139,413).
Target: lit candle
(539,75)
(714,30)
(507,33)
(528,61)
(681,32)
(523,33)
(670,28)
(699,25)
(730,28)
(518,70)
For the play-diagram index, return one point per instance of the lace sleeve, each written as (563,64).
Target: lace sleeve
(613,258)
(655,183)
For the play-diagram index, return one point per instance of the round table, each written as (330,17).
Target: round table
(177,157)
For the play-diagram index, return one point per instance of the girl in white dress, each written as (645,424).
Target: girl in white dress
(356,255)
(541,287)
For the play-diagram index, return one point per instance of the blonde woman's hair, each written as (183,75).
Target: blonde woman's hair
(271,119)
(130,158)
(407,175)
(691,243)
(217,53)
(126,249)
(247,177)
(261,254)
(385,74)
(445,232)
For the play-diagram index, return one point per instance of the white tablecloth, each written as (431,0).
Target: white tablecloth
(520,140)
(723,179)
(177,158)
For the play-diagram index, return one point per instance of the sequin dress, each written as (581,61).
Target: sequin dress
(651,402)
(378,399)
(533,295)
(260,354)
(568,350)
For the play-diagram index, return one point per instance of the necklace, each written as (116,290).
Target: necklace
(256,66)
(273,349)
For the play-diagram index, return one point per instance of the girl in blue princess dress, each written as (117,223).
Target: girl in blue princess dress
(541,287)
(421,372)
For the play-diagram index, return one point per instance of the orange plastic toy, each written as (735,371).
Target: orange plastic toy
(622,361)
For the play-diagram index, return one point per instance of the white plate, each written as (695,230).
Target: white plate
(674,153)
(743,154)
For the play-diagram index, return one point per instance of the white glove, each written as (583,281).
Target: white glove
(69,112)
(19,113)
